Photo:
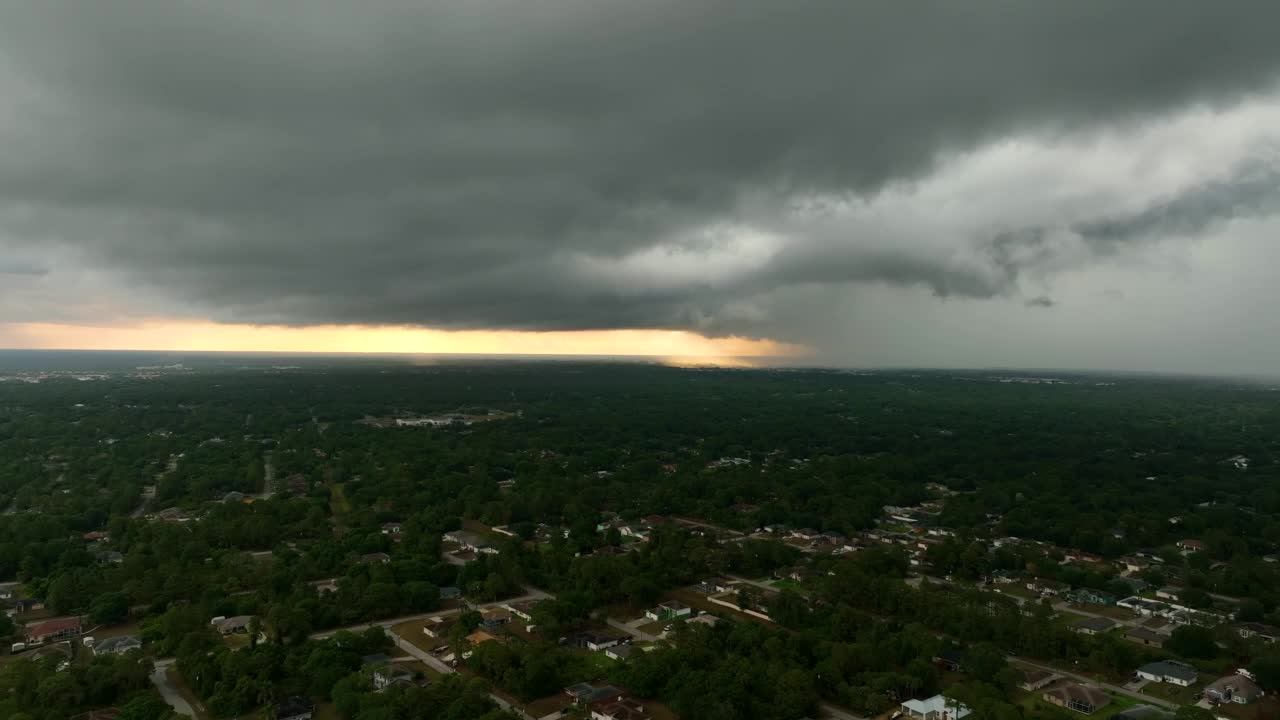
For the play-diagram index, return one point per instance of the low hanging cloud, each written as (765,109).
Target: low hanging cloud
(586,165)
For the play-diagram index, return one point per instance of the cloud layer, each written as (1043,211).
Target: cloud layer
(730,168)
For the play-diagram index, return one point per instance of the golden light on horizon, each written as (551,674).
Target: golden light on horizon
(181,335)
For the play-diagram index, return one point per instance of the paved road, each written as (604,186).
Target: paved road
(633,632)
(1090,681)
(755,583)
(531,593)
(443,668)
(268,479)
(709,526)
(160,678)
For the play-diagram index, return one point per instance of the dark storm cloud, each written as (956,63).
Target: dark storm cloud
(455,164)
(1253,191)
(1043,301)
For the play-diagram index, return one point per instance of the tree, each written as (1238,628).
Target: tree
(146,707)
(1196,598)
(1193,641)
(1267,671)
(109,608)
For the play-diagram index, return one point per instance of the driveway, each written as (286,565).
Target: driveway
(168,691)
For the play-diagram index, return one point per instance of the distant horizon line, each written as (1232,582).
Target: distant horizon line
(769,362)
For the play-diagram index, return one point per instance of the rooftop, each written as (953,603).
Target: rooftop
(1170,668)
(939,705)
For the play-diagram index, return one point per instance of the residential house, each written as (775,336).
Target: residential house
(1143,606)
(450,592)
(1170,671)
(1080,698)
(117,645)
(1133,564)
(1143,636)
(295,707)
(634,530)
(1168,592)
(386,675)
(1033,680)
(1190,546)
(832,537)
(1233,689)
(52,631)
(619,652)
(623,708)
(492,619)
(1049,588)
(705,619)
(669,610)
(586,693)
(593,640)
(522,610)
(1094,625)
(1265,633)
(378,558)
(1086,596)
(714,585)
(438,627)
(951,659)
(470,541)
(234,625)
(95,536)
(938,707)
(808,534)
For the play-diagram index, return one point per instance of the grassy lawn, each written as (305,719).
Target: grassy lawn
(412,633)
(339,505)
(602,664)
(327,711)
(1169,691)
(1019,590)
(653,628)
(788,584)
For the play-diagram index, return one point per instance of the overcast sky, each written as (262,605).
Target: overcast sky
(1065,184)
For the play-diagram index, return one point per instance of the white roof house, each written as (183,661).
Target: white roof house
(938,707)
